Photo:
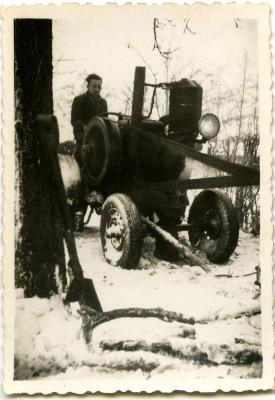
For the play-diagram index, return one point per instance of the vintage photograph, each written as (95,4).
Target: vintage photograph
(139,219)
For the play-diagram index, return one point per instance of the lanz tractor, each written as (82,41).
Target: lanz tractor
(138,171)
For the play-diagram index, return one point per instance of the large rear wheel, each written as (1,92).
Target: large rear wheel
(214,225)
(120,230)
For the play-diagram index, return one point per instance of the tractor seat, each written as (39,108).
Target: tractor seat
(152,126)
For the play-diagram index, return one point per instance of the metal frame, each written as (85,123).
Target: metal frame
(239,175)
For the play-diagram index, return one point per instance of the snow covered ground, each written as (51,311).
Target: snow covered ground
(49,342)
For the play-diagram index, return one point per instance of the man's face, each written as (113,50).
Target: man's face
(94,86)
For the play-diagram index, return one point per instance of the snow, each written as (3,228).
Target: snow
(49,342)
(69,170)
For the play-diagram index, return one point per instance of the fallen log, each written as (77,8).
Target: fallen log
(91,319)
(188,351)
(207,353)
(176,243)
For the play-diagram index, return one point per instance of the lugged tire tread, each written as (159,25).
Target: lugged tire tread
(230,224)
(133,249)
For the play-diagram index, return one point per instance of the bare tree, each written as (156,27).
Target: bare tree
(239,141)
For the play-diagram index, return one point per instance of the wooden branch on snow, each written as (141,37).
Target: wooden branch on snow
(248,312)
(174,242)
(91,319)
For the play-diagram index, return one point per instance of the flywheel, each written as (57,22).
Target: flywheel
(101,150)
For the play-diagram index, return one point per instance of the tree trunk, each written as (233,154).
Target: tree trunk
(39,245)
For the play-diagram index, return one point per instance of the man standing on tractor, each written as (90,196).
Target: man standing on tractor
(84,107)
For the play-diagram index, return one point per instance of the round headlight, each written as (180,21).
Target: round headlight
(209,126)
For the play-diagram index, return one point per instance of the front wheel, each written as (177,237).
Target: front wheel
(214,225)
(121,231)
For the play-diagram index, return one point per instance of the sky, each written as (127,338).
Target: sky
(111,44)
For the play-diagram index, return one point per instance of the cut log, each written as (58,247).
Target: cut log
(91,319)
(174,242)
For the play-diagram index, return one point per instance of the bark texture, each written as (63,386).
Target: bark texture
(39,246)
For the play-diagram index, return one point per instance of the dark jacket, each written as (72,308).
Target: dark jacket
(85,107)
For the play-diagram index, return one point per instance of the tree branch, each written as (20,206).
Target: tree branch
(187,27)
(91,318)
(222,316)
(163,54)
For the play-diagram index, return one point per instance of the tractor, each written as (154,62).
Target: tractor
(138,170)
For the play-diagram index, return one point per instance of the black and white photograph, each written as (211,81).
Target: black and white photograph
(137,185)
